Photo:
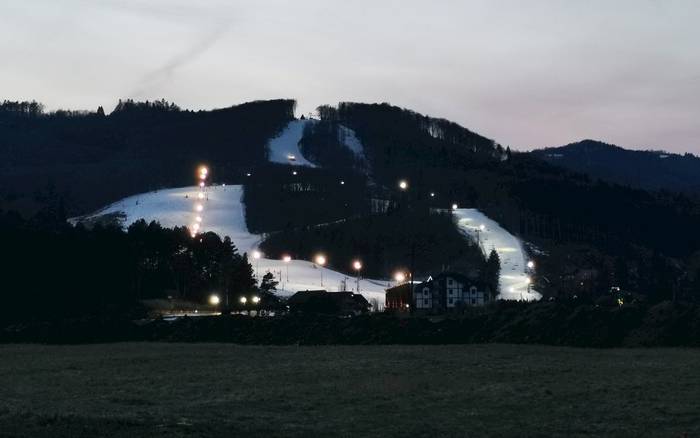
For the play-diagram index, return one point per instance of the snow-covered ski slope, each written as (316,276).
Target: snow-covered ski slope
(286,145)
(282,148)
(514,271)
(224,213)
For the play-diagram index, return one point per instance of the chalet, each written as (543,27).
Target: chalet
(449,291)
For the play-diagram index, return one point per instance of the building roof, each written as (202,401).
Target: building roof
(456,275)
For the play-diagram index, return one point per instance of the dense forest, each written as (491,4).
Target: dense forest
(595,223)
(650,170)
(60,271)
(93,158)
(385,243)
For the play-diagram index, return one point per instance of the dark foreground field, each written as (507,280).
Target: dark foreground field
(172,390)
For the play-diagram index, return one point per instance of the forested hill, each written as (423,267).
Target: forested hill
(529,196)
(92,158)
(651,170)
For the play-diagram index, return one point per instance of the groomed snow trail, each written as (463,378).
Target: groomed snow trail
(513,282)
(286,144)
(224,214)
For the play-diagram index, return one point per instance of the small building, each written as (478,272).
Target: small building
(399,298)
(448,292)
(333,303)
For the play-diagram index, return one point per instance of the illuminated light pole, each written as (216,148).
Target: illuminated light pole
(528,281)
(256,255)
(286,259)
(357,266)
(480,229)
(320,260)
(400,277)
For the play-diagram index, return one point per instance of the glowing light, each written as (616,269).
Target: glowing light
(198,218)
(257,255)
(287,259)
(248,174)
(294,173)
(357,265)
(482,227)
(454,206)
(531,264)
(256,299)
(195,227)
(214,300)
(200,195)
(403,184)
(320,259)
(243,300)
(342,183)
(432,194)
(199,207)
(400,277)
(528,280)
(203,171)
(201,184)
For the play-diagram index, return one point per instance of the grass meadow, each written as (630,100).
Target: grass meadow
(191,390)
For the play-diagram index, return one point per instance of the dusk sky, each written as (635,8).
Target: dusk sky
(526,73)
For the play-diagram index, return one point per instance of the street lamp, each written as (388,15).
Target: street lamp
(256,299)
(454,206)
(243,300)
(214,300)
(256,255)
(286,259)
(357,266)
(403,184)
(203,171)
(321,261)
(531,265)
(400,277)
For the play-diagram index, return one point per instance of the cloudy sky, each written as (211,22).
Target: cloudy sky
(526,73)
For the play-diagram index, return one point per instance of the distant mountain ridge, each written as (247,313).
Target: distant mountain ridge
(650,170)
